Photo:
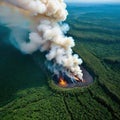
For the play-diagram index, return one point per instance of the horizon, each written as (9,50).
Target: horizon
(94,1)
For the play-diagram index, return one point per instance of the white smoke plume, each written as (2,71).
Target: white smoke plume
(48,34)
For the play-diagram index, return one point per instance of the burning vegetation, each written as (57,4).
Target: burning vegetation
(77,79)
(62,82)
(65,81)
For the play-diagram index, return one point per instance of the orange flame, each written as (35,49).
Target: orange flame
(62,82)
(76,78)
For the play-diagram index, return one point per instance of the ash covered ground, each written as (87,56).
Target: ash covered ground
(87,79)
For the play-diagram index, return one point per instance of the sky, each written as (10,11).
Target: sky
(94,1)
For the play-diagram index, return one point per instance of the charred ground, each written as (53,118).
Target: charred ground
(66,82)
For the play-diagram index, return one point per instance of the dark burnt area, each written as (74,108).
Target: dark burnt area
(87,80)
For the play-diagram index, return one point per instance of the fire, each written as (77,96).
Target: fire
(76,78)
(62,82)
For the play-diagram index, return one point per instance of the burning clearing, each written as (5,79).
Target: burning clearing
(62,80)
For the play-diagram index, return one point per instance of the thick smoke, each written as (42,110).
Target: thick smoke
(48,35)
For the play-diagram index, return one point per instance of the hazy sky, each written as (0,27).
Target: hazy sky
(94,1)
